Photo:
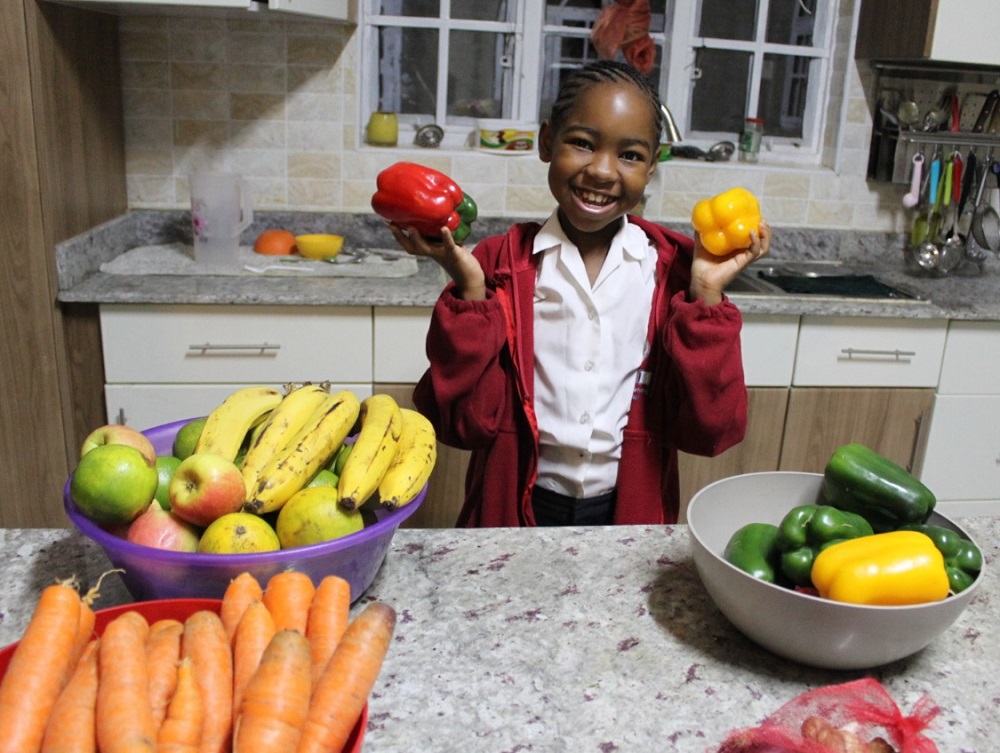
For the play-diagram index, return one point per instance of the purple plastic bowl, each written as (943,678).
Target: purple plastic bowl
(159,574)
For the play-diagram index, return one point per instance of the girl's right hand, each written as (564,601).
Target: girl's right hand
(463,268)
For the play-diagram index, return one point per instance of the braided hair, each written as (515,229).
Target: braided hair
(603,72)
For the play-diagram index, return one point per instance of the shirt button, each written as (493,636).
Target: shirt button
(591,313)
(585,418)
(588,366)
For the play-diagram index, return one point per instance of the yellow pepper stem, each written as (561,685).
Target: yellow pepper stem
(887,569)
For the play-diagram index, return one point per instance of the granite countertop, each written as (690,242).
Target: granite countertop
(78,260)
(578,639)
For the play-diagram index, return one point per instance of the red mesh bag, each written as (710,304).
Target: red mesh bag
(856,717)
(624,25)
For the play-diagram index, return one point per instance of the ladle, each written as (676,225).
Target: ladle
(912,198)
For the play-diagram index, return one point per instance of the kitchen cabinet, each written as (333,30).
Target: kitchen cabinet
(951,31)
(961,459)
(62,158)
(163,363)
(328,10)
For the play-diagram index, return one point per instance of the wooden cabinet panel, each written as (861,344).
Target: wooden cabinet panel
(759,451)
(820,420)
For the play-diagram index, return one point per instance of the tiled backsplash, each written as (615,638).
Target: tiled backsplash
(274,100)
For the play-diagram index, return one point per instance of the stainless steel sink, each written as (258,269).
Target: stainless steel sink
(818,279)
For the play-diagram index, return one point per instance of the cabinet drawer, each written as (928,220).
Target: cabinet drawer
(400,343)
(971,359)
(143,406)
(962,452)
(768,343)
(857,352)
(236,344)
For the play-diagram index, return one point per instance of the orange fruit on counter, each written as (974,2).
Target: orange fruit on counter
(275,243)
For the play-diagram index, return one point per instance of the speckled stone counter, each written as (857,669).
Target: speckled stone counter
(579,639)
(78,260)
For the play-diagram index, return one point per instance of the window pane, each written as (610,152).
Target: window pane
(791,22)
(408,70)
(728,19)
(720,95)
(572,13)
(482,10)
(422,8)
(477,82)
(784,90)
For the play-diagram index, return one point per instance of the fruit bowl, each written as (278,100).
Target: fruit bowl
(150,573)
(177,609)
(801,627)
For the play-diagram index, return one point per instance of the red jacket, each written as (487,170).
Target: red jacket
(479,388)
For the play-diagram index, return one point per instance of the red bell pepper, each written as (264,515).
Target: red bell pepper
(412,195)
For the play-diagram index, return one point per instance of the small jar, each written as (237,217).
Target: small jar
(753,130)
(383,129)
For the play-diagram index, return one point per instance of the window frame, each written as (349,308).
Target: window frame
(678,47)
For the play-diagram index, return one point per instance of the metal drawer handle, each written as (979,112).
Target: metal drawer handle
(208,349)
(903,356)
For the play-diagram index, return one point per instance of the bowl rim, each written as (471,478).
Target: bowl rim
(693,532)
(387,522)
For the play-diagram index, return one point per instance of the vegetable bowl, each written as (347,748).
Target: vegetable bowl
(150,573)
(789,623)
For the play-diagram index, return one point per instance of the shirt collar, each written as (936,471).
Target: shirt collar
(630,238)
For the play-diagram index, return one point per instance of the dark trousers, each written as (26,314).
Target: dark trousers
(555,509)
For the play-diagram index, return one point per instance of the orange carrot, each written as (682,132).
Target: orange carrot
(70,728)
(163,650)
(254,632)
(40,668)
(276,701)
(124,718)
(329,613)
(288,595)
(241,590)
(348,679)
(181,728)
(206,643)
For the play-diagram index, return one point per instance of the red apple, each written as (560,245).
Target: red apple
(119,434)
(206,486)
(158,528)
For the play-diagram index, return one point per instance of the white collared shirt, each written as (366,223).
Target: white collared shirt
(589,344)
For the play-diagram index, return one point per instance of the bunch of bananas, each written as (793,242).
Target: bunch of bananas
(280,441)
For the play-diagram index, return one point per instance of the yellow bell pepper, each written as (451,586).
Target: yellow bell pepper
(886,569)
(724,222)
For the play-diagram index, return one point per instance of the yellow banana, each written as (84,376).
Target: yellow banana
(413,463)
(381,423)
(310,449)
(292,413)
(227,425)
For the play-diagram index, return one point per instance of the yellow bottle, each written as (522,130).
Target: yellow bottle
(383,129)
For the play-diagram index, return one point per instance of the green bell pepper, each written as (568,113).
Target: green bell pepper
(885,494)
(752,549)
(962,558)
(808,529)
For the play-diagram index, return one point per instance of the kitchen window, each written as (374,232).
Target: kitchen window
(717,62)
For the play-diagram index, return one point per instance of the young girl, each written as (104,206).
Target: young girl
(576,357)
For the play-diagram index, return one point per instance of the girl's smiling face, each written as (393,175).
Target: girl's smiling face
(601,159)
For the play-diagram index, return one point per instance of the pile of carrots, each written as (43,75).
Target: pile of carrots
(279,668)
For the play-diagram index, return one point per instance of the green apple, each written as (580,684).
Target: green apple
(165,467)
(325,477)
(187,438)
(314,515)
(113,484)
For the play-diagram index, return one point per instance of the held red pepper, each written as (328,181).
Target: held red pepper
(413,195)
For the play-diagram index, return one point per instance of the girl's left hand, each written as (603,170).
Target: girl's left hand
(710,274)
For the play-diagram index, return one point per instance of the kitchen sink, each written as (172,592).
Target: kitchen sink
(817,279)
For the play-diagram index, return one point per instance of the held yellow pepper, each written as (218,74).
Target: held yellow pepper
(724,222)
(887,569)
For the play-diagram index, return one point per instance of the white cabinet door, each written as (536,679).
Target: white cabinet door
(971,359)
(962,452)
(330,10)
(400,343)
(959,37)
(768,344)
(860,352)
(236,344)
(143,406)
